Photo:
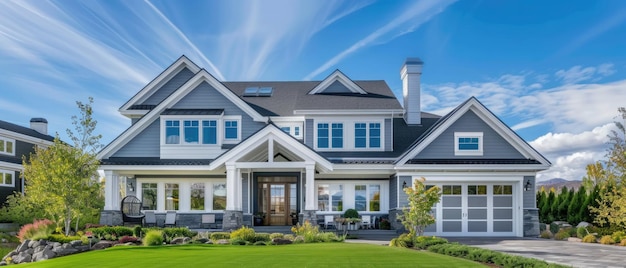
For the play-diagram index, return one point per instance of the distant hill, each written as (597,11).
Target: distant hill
(559,183)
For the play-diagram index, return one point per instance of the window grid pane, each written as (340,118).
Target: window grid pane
(336,191)
(171,196)
(337,132)
(191,132)
(149,196)
(197,196)
(468,144)
(374,135)
(374,197)
(172,132)
(219,196)
(323,197)
(360,135)
(230,130)
(209,132)
(322,135)
(360,192)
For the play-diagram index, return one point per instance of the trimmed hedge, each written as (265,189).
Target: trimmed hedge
(108,232)
(488,256)
(219,235)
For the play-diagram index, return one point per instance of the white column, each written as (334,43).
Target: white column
(108,190)
(239,195)
(270,149)
(231,187)
(310,187)
(161,196)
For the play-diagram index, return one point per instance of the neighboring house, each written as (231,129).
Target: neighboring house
(315,148)
(17,142)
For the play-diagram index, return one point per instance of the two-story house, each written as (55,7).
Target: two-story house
(16,142)
(310,149)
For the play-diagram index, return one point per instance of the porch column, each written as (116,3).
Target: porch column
(239,191)
(111,191)
(231,188)
(310,187)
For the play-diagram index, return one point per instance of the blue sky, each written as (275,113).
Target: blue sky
(555,71)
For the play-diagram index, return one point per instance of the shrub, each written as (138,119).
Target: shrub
(403,241)
(571,231)
(542,227)
(554,228)
(61,238)
(561,235)
(262,237)
(351,213)
(219,235)
(307,231)
(603,230)
(153,238)
(238,241)
(546,234)
(110,232)
(290,237)
(276,235)
(244,233)
(137,231)
(618,236)
(39,229)
(607,240)
(126,239)
(328,237)
(424,242)
(179,232)
(581,232)
(260,243)
(589,238)
(488,256)
(623,242)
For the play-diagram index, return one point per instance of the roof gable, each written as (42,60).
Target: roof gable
(201,77)
(337,82)
(472,109)
(151,88)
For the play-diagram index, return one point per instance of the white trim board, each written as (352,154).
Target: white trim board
(337,76)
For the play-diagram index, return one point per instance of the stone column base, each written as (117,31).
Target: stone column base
(531,222)
(111,217)
(233,219)
(311,216)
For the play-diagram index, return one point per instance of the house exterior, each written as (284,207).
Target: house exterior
(302,150)
(16,142)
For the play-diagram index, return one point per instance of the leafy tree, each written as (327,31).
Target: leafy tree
(421,200)
(61,179)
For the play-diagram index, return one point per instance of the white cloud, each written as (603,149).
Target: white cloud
(578,73)
(406,22)
(571,166)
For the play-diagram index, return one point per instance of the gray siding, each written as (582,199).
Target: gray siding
(494,145)
(23,148)
(204,96)
(388,135)
(404,201)
(170,86)
(337,87)
(308,132)
(146,144)
(393,193)
(530,199)
(245,193)
(6,191)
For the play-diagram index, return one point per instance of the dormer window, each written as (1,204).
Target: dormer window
(291,128)
(7,146)
(468,143)
(201,130)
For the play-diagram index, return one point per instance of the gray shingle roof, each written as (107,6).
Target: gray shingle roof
(24,130)
(153,161)
(193,112)
(293,95)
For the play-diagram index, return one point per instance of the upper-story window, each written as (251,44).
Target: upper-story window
(367,135)
(337,138)
(6,178)
(468,143)
(172,132)
(231,130)
(332,137)
(292,128)
(208,131)
(7,146)
(192,133)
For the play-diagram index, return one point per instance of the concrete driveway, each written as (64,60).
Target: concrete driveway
(576,254)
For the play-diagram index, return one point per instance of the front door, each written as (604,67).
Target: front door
(277,200)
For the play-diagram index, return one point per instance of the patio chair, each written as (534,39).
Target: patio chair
(150,219)
(366,221)
(170,218)
(329,220)
(131,210)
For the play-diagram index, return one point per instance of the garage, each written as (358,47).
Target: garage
(476,209)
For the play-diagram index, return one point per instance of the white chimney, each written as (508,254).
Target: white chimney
(40,125)
(410,73)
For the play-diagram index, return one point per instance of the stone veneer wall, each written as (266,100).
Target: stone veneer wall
(233,219)
(309,215)
(531,222)
(395,223)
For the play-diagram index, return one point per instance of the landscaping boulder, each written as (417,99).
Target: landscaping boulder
(223,242)
(45,254)
(103,244)
(180,240)
(281,241)
(202,240)
(583,224)
(22,257)
(23,246)
(76,243)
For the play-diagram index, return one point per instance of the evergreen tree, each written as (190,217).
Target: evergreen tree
(542,198)
(573,210)
(548,206)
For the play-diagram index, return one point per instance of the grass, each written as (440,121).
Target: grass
(301,255)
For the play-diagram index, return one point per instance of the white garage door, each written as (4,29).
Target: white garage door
(474,209)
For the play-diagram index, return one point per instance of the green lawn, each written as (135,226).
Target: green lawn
(301,255)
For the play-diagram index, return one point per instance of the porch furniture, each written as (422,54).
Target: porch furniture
(366,221)
(131,210)
(150,219)
(170,218)
(329,220)
(208,220)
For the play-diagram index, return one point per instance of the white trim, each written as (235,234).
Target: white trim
(490,119)
(342,78)
(155,84)
(349,112)
(348,133)
(201,76)
(348,195)
(184,195)
(6,141)
(458,135)
(292,128)
(26,138)
(16,167)
(452,167)
(236,118)
(2,174)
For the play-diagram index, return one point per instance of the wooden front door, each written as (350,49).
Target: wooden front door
(277,201)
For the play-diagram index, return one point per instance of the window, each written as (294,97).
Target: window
(149,196)
(172,132)
(502,189)
(231,131)
(322,135)
(468,143)
(286,129)
(197,196)
(330,197)
(6,146)
(360,197)
(323,197)
(361,137)
(364,201)
(219,196)
(171,196)
(374,197)
(296,131)
(6,178)
(451,190)
(191,131)
(337,133)
(477,189)
(209,132)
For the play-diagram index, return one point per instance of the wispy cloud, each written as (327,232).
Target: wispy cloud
(411,18)
(578,73)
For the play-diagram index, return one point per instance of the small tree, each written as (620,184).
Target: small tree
(573,210)
(548,206)
(421,200)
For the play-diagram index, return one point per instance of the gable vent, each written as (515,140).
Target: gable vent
(258,92)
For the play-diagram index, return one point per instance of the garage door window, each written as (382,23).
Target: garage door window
(502,208)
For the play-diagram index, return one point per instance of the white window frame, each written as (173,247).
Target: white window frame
(349,195)
(2,174)
(231,118)
(478,135)
(220,131)
(349,133)
(292,129)
(5,141)
(184,193)
(367,196)
(367,135)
